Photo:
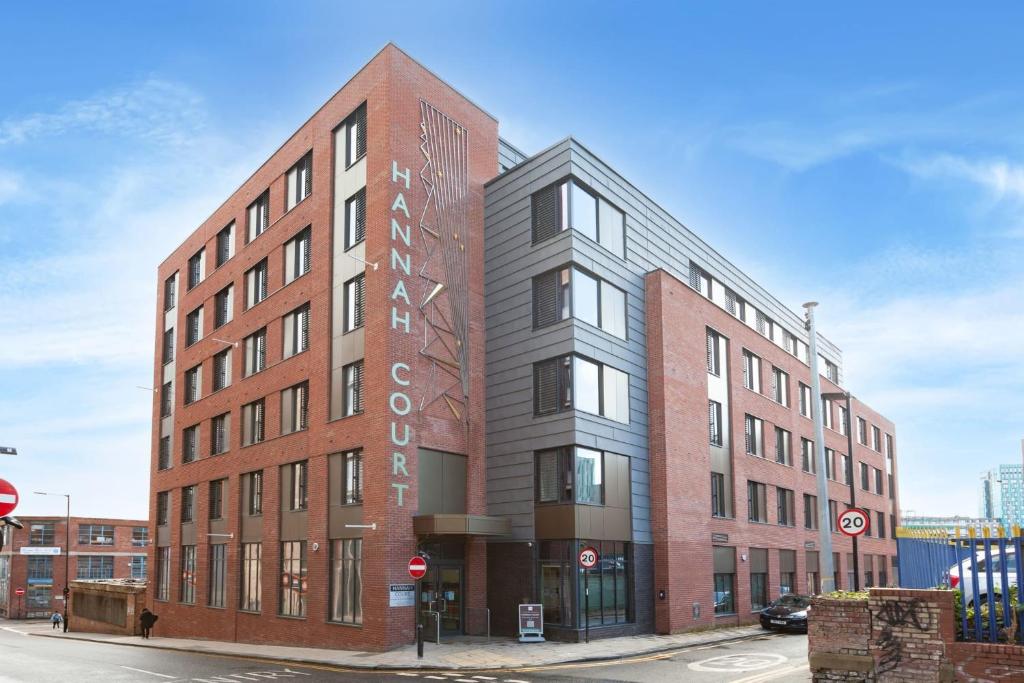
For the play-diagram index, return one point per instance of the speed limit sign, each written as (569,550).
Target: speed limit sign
(854,522)
(588,558)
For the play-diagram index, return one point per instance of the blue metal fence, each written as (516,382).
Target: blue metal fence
(983,565)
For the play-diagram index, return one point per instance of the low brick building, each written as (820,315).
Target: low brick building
(33,559)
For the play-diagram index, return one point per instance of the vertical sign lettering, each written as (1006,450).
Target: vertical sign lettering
(401,314)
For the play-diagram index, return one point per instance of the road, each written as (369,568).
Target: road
(30,659)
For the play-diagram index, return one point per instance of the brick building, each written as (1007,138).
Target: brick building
(33,559)
(402,335)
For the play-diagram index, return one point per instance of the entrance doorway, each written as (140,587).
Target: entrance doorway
(441,592)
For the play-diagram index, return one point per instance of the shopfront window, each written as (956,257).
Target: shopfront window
(725,580)
(564,584)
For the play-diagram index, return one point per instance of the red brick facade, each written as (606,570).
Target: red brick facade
(122,550)
(677,319)
(392,86)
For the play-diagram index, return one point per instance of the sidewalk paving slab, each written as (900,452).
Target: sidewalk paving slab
(458,655)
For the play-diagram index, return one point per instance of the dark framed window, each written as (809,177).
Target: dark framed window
(832,372)
(714,352)
(757,502)
(296,331)
(168,346)
(295,408)
(700,280)
(190,444)
(216,501)
(753,435)
(138,567)
(223,304)
(253,422)
(780,386)
(807,462)
(785,507)
(355,302)
(751,371)
(570,205)
(194,326)
(222,369)
(715,423)
(718,500)
(572,292)
(39,568)
(255,502)
(220,434)
(299,181)
(354,130)
(725,580)
(96,534)
(256,284)
(255,346)
(805,400)
(574,382)
(347,581)
(298,495)
(218,574)
(164,455)
(163,500)
(355,219)
(163,574)
(140,536)
(188,503)
(608,584)
(880,526)
(225,244)
(251,593)
(187,588)
(293,579)
(193,384)
(352,375)
(95,567)
(195,268)
(783,446)
(352,484)
(570,474)
(864,477)
(810,511)
(170,292)
(878,480)
(298,252)
(257,217)
(166,399)
(758,579)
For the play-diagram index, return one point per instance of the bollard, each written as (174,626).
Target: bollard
(419,641)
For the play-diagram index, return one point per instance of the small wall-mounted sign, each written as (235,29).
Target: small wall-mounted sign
(402,595)
(808,545)
(719,538)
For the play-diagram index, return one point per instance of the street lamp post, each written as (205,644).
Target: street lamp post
(67,551)
(849,473)
(825,566)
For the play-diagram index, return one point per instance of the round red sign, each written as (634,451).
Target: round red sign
(417,567)
(8,497)
(853,522)
(588,558)
(19,591)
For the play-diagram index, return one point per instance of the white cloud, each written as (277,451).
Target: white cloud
(10,186)
(1002,179)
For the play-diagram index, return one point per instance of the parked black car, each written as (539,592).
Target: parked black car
(788,613)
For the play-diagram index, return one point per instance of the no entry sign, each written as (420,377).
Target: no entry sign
(19,591)
(8,497)
(417,567)
(854,522)
(588,558)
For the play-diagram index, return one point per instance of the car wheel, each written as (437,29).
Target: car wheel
(766,627)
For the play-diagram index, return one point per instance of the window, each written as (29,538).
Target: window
(787,571)
(757,502)
(355,302)
(826,412)
(718,500)
(223,303)
(194,326)
(570,292)
(571,382)
(889,449)
(780,386)
(168,346)
(252,423)
(140,536)
(296,331)
(832,371)
(700,280)
(878,480)
(40,568)
(862,431)
(880,526)
(810,511)
(295,408)
(805,400)
(869,571)
(256,284)
(790,342)
(166,399)
(195,268)
(256,352)
(807,461)
(352,375)
(163,574)
(218,574)
(753,434)
(258,216)
(170,292)
(299,181)
(164,456)
(293,579)
(568,205)
(758,579)
(715,422)
(725,578)
(830,464)
(833,516)
(606,584)
(714,352)
(783,446)
(864,477)
(252,577)
(355,135)
(95,534)
(163,500)
(225,244)
(297,496)
(785,507)
(95,567)
(40,533)
(352,486)
(193,384)
(869,531)
(765,325)
(138,567)
(216,503)
(220,434)
(190,444)
(735,304)
(187,589)
(843,420)
(222,369)
(876,439)
(255,502)
(751,371)
(892,526)
(297,254)
(847,472)
(355,219)
(347,581)
(188,503)
(571,474)
(813,567)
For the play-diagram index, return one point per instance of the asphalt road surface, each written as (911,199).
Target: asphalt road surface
(31,659)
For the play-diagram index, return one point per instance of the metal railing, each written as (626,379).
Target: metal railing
(437,623)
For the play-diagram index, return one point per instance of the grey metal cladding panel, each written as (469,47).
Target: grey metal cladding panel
(669,236)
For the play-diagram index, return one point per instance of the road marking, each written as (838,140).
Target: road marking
(738,663)
(403,673)
(772,675)
(14,630)
(151,673)
(437,678)
(485,678)
(464,680)
(515,680)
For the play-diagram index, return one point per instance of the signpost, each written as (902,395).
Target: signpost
(417,570)
(417,567)
(588,558)
(8,498)
(854,522)
(531,623)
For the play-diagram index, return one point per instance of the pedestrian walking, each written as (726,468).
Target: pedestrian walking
(56,619)
(147,619)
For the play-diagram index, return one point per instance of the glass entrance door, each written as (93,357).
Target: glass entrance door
(441,592)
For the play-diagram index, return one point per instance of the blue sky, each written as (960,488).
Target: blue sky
(870,157)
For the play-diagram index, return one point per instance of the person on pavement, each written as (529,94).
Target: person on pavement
(147,619)
(56,619)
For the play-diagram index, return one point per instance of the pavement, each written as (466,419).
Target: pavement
(466,653)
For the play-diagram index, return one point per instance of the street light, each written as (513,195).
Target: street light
(825,565)
(67,551)
(849,472)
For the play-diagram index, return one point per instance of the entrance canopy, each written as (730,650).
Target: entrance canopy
(461,525)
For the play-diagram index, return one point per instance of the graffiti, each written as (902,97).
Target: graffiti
(895,615)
